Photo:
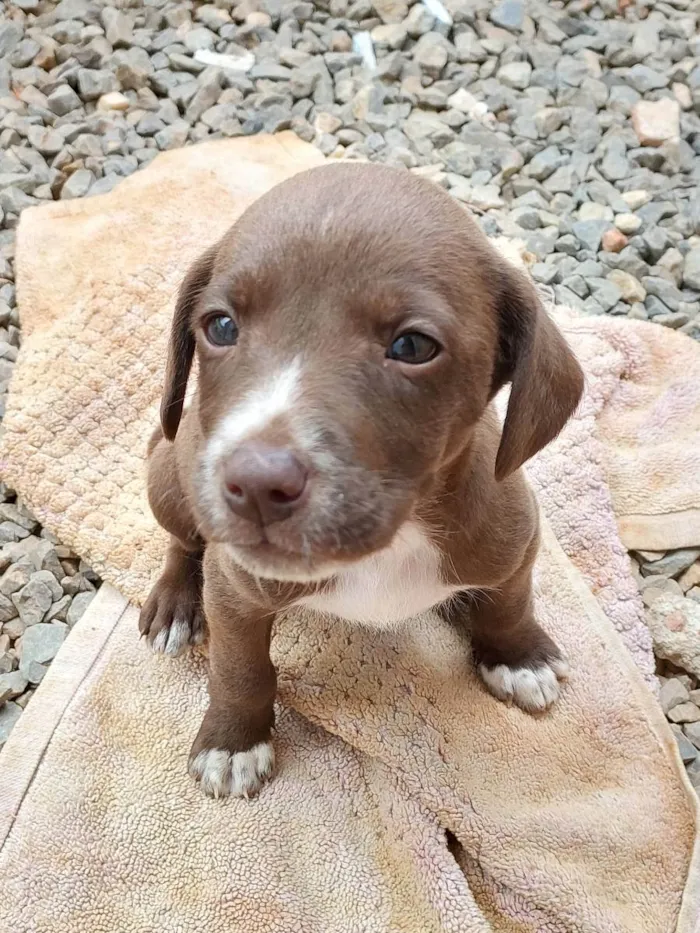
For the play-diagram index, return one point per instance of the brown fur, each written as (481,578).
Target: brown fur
(329,267)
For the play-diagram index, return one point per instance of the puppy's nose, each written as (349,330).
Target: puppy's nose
(264,484)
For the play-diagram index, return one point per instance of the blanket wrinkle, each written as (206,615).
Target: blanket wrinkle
(406,798)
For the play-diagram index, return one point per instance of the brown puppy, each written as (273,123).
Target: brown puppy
(341,452)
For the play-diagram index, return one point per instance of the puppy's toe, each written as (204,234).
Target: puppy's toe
(239,774)
(533,689)
(172,620)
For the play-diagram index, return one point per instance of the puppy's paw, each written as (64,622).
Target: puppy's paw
(533,688)
(238,774)
(172,617)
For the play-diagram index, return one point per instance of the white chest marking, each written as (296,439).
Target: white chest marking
(388,587)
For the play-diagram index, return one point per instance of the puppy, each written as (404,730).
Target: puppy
(341,452)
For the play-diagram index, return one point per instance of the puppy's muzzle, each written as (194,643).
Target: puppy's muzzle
(264,484)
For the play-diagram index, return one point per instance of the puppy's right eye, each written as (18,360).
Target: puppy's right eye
(221,330)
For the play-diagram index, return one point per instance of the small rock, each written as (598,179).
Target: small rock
(63,100)
(40,644)
(93,84)
(34,600)
(118,27)
(391,11)
(9,714)
(684,712)
(515,75)
(77,185)
(655,122)
(691,577)
(673,693)
(12,684)
(628,224)
(590,233)
(692,730)
(173,136)
(485,197)
(686,749)
(509,14)
(430,52)
(674,623)
(636,199)
(15,577)
(114,101)
(644,79)
(671,564)
(691,269)
(80,603)
(630,288)
(613,241)
(59,610)
(15,628)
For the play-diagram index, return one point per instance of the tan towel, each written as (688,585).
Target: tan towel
(406,798)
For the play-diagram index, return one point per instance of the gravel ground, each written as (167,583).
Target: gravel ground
(574,126)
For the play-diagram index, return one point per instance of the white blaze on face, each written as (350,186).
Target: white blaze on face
(253,413)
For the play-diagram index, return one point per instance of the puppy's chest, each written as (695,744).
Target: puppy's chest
(389,587)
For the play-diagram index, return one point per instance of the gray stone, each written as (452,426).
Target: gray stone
(673,693)
(545,163)
(686,749)
(93,84)
(12,684)
(564,180)
(672,564)
(684,712)
(590,232)
(691,269)
(63,100)
(40,644)
(173,136)
(431,53)
(8,610)
(655,307)
(654,243)
(663,290)
(119,27)
(508,14)
(77,185)
(515,75)
(15,577)
(34,600)
(644,79)
(9,712)
(630,288)
(607,294)
(59,610)
(10,37)
(80,603)
(692,731)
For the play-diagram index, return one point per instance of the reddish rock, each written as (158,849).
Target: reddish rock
(613,241)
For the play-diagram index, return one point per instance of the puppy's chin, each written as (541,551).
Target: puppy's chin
(268,562)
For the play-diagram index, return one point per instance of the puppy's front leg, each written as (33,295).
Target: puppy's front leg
(232,753)
(517,660)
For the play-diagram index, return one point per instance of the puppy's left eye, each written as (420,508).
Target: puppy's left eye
(221,330)
(413,348)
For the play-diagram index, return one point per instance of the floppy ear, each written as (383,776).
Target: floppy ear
(181,347)
(547,381)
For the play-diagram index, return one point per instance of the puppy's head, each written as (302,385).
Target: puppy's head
(351,329)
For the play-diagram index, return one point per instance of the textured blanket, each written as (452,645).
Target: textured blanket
(407,798)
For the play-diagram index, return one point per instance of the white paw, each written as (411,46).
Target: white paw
(531,688)
(240,774)
(173,639)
